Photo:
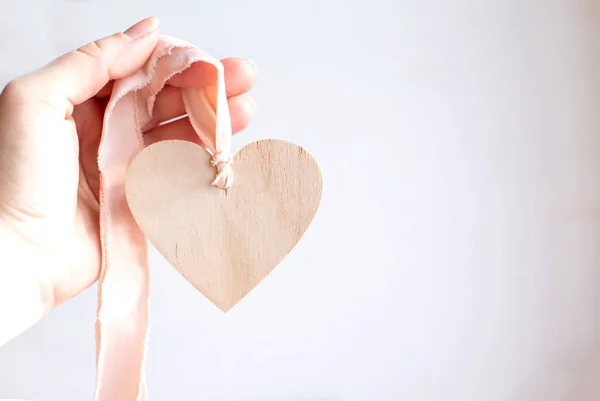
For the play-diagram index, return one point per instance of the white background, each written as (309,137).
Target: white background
(456,255)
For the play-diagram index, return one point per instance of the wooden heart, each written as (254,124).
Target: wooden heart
(224,242)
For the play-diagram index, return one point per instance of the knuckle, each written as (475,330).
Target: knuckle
(14,90)
(95,54)
(93,49)
(100,47)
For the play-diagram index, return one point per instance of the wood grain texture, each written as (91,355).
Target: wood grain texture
(224,242)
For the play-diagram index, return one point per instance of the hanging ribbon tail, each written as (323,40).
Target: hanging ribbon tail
(123,287)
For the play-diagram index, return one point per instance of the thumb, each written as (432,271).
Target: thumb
(77,76)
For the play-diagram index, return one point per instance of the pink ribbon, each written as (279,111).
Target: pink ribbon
(122,324)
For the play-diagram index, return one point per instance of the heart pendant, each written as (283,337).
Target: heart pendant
(224,242)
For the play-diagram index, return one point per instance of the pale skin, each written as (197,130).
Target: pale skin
(50,126)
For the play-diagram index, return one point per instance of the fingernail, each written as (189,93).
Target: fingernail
(251,101)
(253,64)
(142,28)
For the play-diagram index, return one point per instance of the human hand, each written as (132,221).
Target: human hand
(50,127)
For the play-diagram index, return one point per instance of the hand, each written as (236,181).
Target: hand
(50,126)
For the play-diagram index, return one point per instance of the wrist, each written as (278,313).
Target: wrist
(25,294)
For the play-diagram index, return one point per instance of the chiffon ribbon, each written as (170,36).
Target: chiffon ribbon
(122,323)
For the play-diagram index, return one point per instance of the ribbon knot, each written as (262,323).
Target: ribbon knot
(222,162)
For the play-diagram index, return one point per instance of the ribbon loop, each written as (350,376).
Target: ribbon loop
(208,111)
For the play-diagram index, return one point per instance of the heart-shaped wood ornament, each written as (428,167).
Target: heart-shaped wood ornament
(224,242)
